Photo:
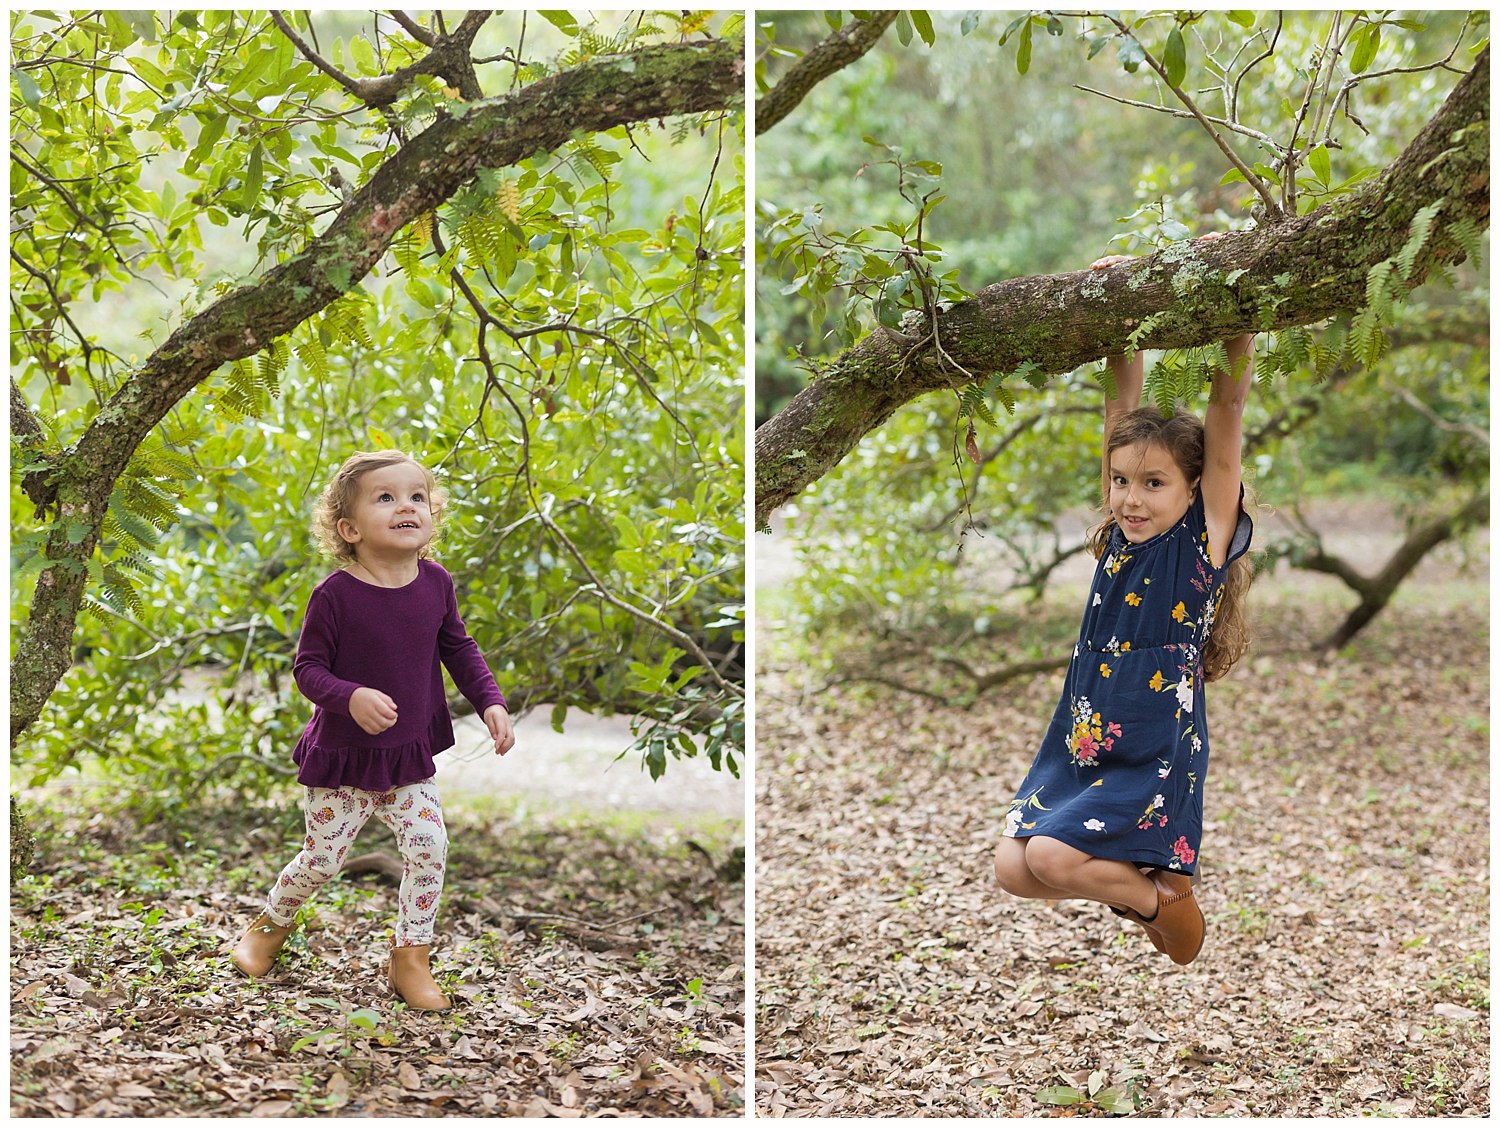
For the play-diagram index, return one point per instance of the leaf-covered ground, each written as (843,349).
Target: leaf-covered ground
(597,968)
(1345,883)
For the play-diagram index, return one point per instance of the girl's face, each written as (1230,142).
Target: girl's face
(391,513)
(1148,492)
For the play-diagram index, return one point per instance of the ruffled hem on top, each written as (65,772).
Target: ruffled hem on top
(369,769)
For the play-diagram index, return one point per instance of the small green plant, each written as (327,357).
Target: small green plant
(362,1025)
(686,1041)
(1120,1100)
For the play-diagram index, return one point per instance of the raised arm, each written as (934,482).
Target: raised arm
(1129,374)
(1223,442)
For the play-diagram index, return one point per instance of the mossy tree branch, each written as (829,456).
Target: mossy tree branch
(1301,270)
(644,85)
(846,45)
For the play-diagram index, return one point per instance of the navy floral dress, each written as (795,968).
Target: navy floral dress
(1120,772)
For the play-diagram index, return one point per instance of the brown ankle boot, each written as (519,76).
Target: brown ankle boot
(411,978)
(1178,921)
(256,951)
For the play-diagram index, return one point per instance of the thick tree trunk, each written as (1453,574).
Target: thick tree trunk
(1302,270)
(654,82)
(1376,591)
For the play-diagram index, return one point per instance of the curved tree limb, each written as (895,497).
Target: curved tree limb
(447,58)
(847,45)
(653,82)
(1304,269)
(1376,591)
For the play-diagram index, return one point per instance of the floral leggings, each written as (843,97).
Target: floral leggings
(334,818)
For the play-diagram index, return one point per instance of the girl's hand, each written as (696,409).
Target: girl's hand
(372,710)
(1110,260)
(497,720)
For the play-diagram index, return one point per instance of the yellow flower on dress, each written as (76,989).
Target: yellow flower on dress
(1132,599)
(1179,612)
(1104,669)
(1157,681)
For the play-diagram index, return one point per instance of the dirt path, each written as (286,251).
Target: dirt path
(1345,886)
(577,771)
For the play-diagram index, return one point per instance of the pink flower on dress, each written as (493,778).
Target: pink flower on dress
(1184,852)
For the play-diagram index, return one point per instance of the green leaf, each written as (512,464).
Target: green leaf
(142,22)
(564,22)
(903,29)
(1174,59)
(31,93)
(1115,1101)
(254,177)
(1131,54)
(1318,161)
(1060,1095)
(1231,176)
(968,23)
(208,136)
(1023,52)
(1241,17)
(923,23)
(365,1019)
(559,715)
(1366,43)
(364,55)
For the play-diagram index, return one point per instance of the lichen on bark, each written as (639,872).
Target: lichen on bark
(1302,270)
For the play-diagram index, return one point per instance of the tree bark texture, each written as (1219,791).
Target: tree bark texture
(1303,269)
(644,85)
(847,45)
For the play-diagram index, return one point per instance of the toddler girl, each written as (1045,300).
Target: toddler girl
(1112,808)
(368,659)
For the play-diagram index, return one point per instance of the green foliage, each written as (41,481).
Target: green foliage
(598,391)
(905,541)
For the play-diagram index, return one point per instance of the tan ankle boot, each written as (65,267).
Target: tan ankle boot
(411,978)
(256,951)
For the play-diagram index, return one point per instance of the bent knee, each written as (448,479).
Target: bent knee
(1052,862)
(428,845)
(1011,872)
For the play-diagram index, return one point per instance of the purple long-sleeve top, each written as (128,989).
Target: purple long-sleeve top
(395,640)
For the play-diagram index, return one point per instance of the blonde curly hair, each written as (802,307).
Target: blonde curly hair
(337,502)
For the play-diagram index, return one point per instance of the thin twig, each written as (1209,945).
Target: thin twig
(1349,84)
(414,29)
(350,84)
(1468,430)
(1273,208)
(1234,97)
(1234,126)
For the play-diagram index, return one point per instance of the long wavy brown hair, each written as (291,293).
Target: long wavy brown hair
(338,500)
(1182,437)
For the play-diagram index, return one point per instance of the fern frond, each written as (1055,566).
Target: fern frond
(972,405)
(1464,232)
(1105,378)
(1421,227)
(1032,373)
